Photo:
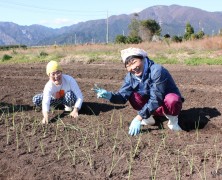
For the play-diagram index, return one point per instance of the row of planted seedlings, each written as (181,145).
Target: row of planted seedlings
(85,144)
(28,135)
(158,150)
(182,157)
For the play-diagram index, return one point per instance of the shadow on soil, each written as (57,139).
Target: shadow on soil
(90,108)
(190,119)
(196,118)
(11,108)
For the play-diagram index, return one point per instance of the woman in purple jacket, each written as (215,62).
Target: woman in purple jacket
(150,89)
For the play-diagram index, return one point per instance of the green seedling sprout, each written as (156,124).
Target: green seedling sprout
(63,123)
(95,132)
(72,127)
(153,161)
(56,131)
(84,136)
(2,115)
(96,137)
(113,165)
(28,143)
(44,131)
(6,120)
(178,165)
(120,121)
(136,150)
(91,110)
(130,163)
(131,154)
(153,174)
(42,146)
(204,165)
(72,154)
(176,169)
(59,152)
(197,129)
(16,137)
(103,130)
(67,134)
(218,157)
(34,126)
(164,136)
(7,135)
(115,140)
(111,119)
(22,125)
(13,116)
(190,161)
(88,157)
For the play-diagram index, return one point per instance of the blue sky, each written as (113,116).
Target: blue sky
(59,13)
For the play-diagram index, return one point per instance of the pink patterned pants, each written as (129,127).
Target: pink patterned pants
(172,104)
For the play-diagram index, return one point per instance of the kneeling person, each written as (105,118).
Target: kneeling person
(150,89)
(61,89)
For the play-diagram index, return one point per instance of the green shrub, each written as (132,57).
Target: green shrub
(120,39)
(6,57)
(134,39)
(8,47)
(42,53)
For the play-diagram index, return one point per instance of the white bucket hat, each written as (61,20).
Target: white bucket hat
(125,53)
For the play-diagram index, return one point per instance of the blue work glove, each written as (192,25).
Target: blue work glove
(102,93)
(134,128)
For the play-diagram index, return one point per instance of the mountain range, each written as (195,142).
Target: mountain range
(172,20)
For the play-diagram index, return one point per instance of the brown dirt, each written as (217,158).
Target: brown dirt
(97,145)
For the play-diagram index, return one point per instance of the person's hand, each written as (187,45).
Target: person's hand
(102,93)
(74,113)
(134,128)
(45,119)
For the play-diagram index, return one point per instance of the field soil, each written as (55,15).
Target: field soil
(96,145)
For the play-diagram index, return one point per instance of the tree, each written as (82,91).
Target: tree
(134,27)
(149,28)
(189,31)
(200,35)
(166,36)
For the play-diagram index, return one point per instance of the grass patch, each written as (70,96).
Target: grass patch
(164,60)
(201,61)
(189,53)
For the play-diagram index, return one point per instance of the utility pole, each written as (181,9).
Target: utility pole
(75,38)
(107,29)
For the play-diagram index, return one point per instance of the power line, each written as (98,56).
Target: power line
(49,9)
